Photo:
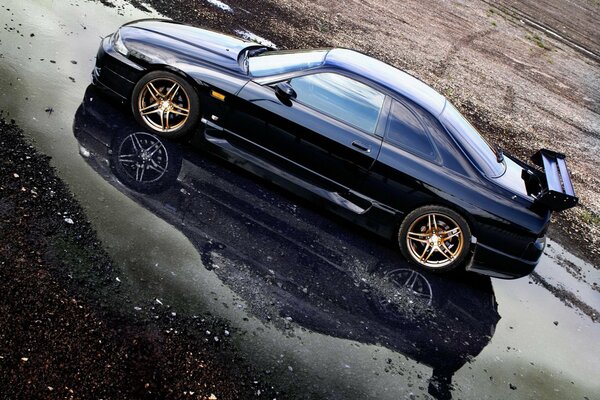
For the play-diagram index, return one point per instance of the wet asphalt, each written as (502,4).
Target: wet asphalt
(327,309)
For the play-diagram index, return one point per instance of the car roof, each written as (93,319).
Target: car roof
(387,76)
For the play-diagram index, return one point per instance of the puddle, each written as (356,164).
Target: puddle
(255,38)
(329,310)
(220,4)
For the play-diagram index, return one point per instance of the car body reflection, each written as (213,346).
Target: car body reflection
(287,262)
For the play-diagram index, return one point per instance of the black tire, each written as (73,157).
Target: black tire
(435,238)
(165,104)
(151,174)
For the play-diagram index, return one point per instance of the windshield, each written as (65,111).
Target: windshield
(280,62)
(485,157)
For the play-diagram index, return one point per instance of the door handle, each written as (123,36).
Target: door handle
(361,146)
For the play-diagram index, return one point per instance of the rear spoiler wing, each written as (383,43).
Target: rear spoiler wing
(557,191)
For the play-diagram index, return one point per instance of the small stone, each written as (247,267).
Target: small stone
(24,359)
(556,323)
(512,387)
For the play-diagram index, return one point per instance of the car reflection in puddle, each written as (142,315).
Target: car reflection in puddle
(290,263)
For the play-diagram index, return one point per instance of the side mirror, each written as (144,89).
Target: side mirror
(285,91)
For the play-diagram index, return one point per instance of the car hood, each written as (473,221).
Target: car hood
(214,47)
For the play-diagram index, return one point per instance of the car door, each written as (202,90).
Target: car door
(409,160)
(330,129)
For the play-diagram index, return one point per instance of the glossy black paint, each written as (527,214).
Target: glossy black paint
(284,250)
(360,176)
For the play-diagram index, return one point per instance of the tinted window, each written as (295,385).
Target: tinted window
(279,62)
(479,150)
(343,98)
(405,130)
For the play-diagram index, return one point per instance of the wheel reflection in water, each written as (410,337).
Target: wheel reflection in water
(143,157)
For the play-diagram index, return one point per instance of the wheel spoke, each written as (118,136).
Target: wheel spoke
(418,237)
(451,254)
(434,222)
(166,116)
(433,249)
(153,148)
(155,111)
(139,172)
(149,107)
(172,91)
(156,167)
(162,120)
(136,143)
(177,109)
(154,92)
(412,279)
(451,233)
(425,251)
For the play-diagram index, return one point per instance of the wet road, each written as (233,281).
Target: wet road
(329,310)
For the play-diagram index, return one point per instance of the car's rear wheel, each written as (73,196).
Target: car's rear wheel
(435,238)
(166,104)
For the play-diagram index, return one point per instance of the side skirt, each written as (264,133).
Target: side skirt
(343,201)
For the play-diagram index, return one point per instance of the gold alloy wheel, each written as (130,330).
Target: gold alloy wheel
(164,105)
(434,240)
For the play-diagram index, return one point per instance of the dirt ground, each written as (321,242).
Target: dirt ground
(524,88)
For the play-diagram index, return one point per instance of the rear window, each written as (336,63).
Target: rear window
(281,62)
(481,153)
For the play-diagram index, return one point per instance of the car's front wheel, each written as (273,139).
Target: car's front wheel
(435,238)
(166,104)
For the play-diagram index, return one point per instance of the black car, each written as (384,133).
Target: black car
(352,133)
(289,253)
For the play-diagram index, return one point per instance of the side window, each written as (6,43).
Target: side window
(406,131)
(340,97)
